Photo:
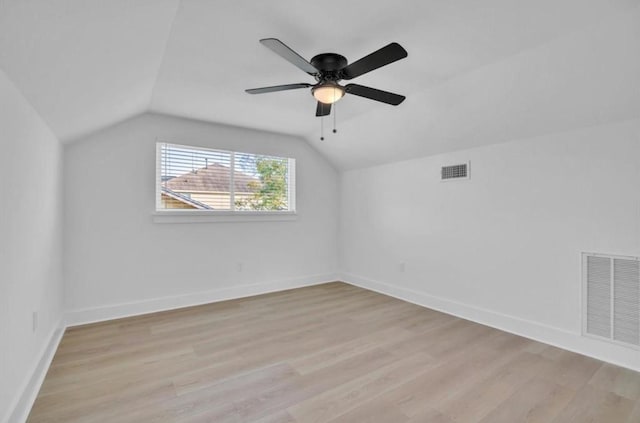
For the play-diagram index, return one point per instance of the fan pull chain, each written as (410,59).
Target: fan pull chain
(322,128)
(335,110)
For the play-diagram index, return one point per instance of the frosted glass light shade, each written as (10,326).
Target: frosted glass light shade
(328,93)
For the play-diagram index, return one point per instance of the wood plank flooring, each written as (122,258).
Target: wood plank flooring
(328,353)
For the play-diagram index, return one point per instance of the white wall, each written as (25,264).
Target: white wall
(30,246)
(505,246)
(118,261)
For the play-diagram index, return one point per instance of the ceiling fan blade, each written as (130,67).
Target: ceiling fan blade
(288,54)
(387,54)
(278,88)
(323,109)
(373,94)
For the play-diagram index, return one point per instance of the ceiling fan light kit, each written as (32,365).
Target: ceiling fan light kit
(329,69)
(328,92)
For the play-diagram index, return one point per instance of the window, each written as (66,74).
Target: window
(194,179)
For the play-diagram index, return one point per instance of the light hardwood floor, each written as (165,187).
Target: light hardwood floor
(329,353)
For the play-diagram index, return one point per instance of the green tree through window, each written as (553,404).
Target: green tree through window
(271,192)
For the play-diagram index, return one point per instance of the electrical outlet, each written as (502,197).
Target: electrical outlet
(34,317)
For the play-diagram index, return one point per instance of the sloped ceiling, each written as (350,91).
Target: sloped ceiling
(478,72)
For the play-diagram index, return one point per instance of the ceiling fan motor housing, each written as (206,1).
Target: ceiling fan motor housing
(329,65)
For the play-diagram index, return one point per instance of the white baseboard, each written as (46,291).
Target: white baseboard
(561,338)
(117,311)
(19,412)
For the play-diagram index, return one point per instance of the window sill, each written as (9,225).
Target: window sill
(174,216)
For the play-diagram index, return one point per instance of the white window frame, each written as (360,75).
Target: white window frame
(204,216)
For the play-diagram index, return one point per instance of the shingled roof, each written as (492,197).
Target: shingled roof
(215,178)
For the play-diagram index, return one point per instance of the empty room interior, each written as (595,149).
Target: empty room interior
(285,211)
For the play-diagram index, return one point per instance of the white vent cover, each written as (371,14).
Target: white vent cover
(611,298)
(453,172)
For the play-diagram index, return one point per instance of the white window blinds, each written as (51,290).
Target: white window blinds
(194,178)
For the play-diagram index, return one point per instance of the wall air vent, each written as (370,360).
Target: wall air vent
(454,172)
(611,298)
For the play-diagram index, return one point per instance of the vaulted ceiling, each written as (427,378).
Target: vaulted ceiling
(478,72)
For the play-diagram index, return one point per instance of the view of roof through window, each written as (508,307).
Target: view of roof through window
(194,178)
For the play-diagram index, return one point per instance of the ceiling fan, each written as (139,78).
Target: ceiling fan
(330,68)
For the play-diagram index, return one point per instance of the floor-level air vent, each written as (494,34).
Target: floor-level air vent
(611,298)
(452,172)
